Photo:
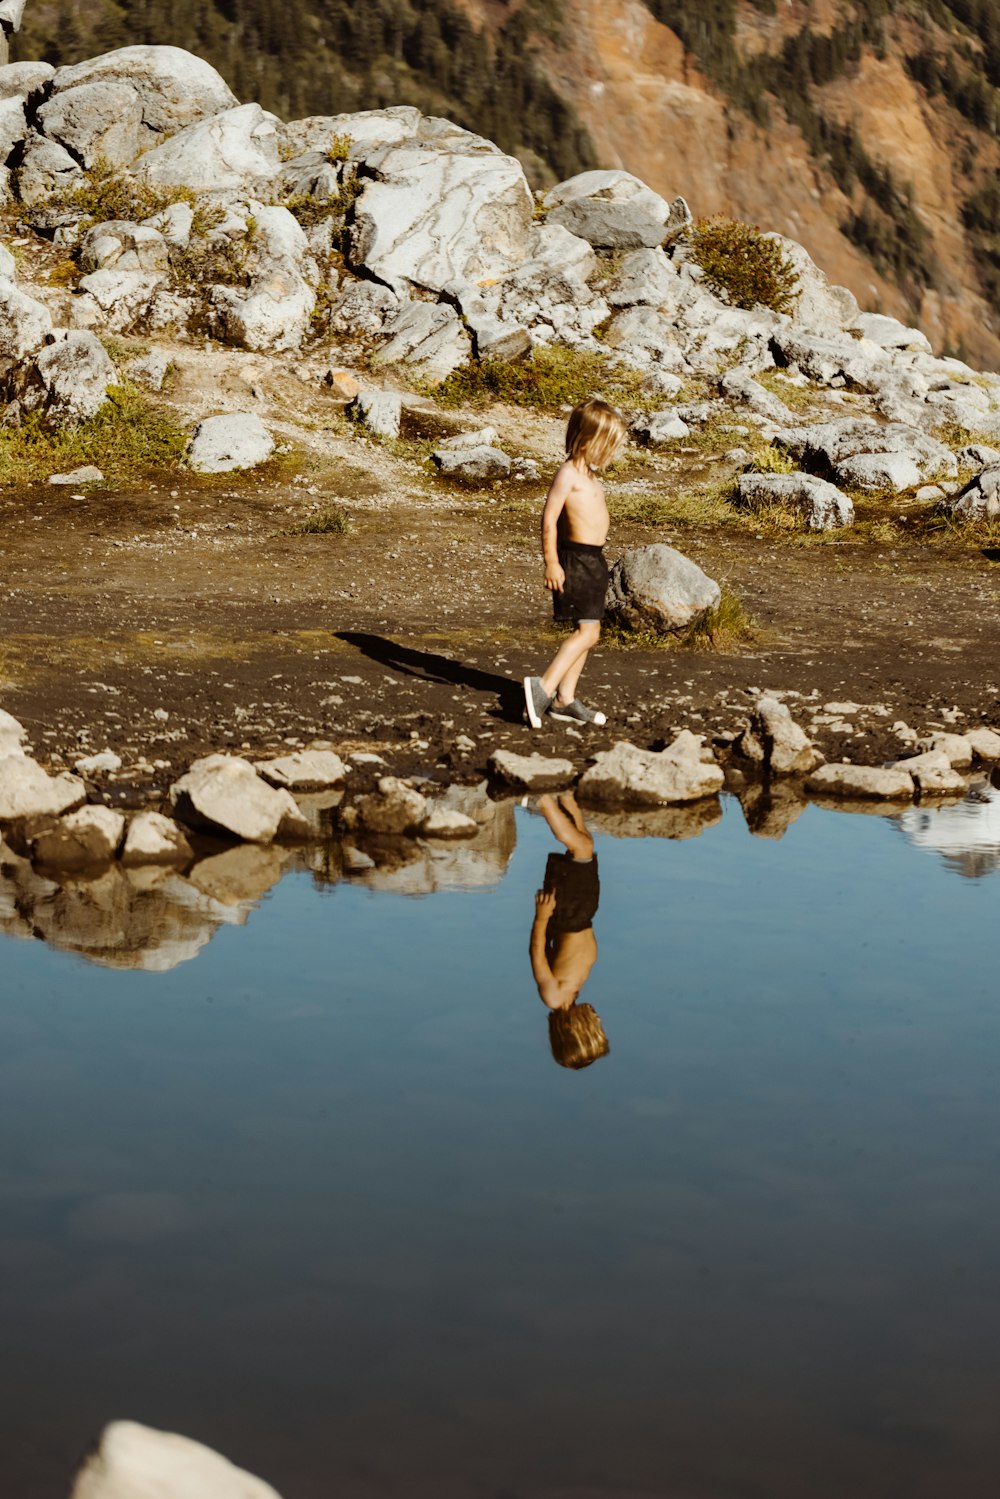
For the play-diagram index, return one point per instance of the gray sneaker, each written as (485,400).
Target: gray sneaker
(576,712)
(536,701)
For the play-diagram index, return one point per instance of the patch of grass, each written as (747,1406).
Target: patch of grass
(685,507)
(339,149)
(109,192)
(127,438)
(550,377)
(771,460)
(795,397)
(330,522)
(65,273)
(747,267)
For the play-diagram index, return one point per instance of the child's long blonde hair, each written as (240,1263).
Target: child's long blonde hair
(595,433)
(576,1036)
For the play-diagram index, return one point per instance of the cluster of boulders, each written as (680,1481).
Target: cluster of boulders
(413,242)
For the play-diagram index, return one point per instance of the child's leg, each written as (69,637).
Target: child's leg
(564,669)
(576,839)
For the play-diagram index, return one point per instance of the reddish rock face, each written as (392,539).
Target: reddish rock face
(648,109)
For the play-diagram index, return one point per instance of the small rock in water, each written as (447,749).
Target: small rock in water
(444,822)
(862,781)
(985,743)
(531,772)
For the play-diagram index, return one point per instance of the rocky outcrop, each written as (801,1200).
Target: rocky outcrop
(26,790)
(978,501)
(531,772)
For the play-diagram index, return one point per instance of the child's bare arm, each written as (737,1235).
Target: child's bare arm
(555,502)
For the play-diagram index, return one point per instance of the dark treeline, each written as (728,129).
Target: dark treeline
(329,56)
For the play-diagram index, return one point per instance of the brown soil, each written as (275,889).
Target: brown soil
(182,616)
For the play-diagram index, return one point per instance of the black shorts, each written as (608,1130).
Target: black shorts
(586,584)
(577,890)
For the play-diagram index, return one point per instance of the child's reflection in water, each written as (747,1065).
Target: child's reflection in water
(563,948)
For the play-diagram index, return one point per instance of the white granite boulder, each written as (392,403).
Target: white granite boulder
(26,790)
(775,742)
(116,300)
(738,385)
(643,278)
(822,505)
(820,447)
(531,772)
(83,839)
(223,793)
(120,245)
(430,337)
(889,333)
(69,379)
(123,102)
(154,839)
(220,444)
(12,735)
(653,429)
(879,471)
(862,782)
(978,501)
(25,324)
(611,210)
(479,464)
(985,743)
(819,307)
(441,206)
(627,776)
(305,770)
(135,1462)
(230,151)
(394,809)
(658,588)
(379,412)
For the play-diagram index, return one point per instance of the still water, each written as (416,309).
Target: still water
(316,1192)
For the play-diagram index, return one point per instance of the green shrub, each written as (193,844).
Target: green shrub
(771,460)
(549,377)
(109,192)
(744,265)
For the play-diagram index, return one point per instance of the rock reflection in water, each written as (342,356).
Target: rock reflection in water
(966,834)
(150,919)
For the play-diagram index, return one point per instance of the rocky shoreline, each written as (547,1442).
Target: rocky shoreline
(150,888)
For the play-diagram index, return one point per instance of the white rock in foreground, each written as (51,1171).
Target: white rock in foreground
(12,735)
(658,588)
(83,839)
(155,839)
(985,742)
(627,776)
(863,782)
(231,150)
(222,443)
(224,792)
(306,770)
(135,1462)
(531,772)
(27,791)
(776,742)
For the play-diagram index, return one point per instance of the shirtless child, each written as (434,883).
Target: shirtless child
(574,529)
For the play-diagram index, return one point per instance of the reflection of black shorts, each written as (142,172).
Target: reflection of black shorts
(586,584)
(577,891)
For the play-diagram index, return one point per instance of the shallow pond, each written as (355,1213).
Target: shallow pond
(317,1193)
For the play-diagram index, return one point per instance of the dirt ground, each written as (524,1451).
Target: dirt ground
(178,616)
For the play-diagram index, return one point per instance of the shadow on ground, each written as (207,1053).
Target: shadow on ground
(428,666)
